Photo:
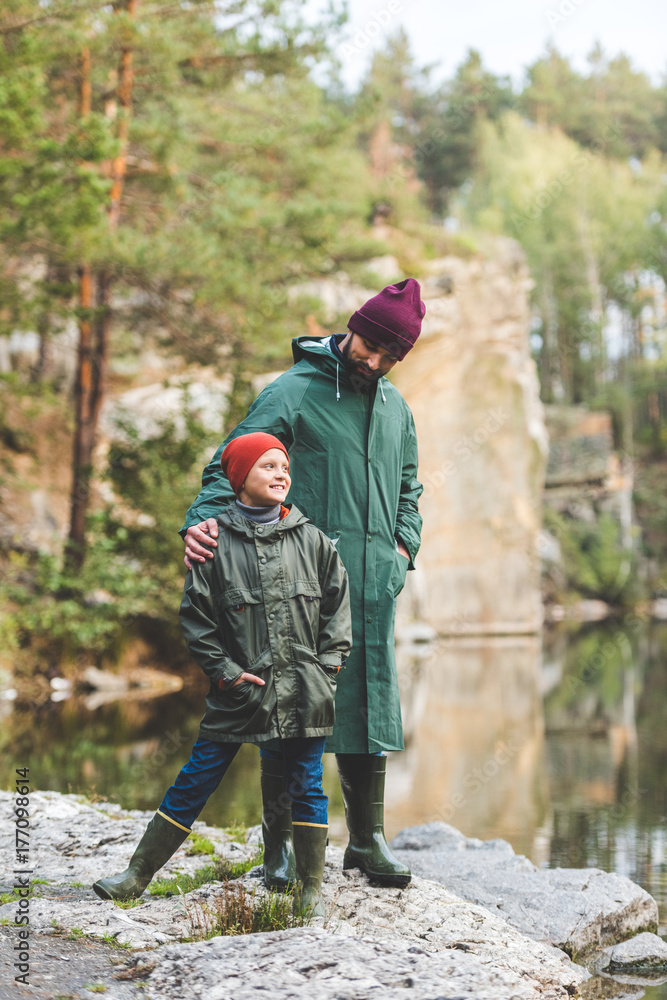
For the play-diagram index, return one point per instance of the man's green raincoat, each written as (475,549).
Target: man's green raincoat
(353,462)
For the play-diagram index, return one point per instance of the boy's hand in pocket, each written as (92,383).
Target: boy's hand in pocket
(253,678)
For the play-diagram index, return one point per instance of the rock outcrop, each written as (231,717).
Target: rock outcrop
(578,910)
(425,941)
(423,938)
(642,953)
(474,392)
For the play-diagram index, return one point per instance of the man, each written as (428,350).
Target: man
(353,454)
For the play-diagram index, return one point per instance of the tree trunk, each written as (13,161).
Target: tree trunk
(84,431)
(94,329)
(82,447)
(124,95)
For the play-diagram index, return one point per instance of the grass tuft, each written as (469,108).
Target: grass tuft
(198,844)
(222,871)
(236,911)
(113,941)
(237,831)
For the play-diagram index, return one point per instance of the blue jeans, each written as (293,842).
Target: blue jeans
(199,778)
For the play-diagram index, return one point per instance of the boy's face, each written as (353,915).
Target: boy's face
(268,481)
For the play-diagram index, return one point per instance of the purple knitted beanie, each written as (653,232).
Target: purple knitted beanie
(392,319)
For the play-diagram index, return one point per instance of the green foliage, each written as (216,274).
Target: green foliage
(134,568)
(448,139)
(14,894)
(595,563)
(650,497)
(155,480)
(234,156)
(581,218)
(584,106)
(44,605)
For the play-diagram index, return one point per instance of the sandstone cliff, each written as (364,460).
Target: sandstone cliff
(474,392)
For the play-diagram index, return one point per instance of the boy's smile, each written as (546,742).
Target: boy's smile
(268,481)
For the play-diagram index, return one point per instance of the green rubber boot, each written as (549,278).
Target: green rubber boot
(362,782)
(160,840)
(279,863)
(310,844)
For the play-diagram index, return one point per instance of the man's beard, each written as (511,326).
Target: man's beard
(362,378)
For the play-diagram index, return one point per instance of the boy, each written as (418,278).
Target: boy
(268,621)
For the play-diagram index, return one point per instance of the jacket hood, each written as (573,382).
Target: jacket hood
(232,519)
(303,346)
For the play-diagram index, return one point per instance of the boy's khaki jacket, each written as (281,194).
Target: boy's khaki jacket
(274,602)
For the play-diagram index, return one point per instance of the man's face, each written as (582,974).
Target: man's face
(366,359)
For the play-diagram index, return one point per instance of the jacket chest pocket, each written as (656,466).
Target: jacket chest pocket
(243,625)
(305,597)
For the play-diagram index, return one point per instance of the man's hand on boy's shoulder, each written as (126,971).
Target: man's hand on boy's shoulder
(253,678)
(200,540)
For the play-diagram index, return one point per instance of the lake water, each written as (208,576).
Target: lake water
(557,744)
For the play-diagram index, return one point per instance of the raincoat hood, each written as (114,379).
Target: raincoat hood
(330,365)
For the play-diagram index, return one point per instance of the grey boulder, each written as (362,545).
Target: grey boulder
(642,953)
(578,910)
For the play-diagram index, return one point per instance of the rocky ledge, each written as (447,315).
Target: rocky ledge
(458,932)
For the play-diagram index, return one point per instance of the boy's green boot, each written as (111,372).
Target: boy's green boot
(160,840)
(279,863)
(310,844)
(362,782)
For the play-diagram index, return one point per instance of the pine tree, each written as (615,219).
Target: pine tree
(448,132)
(177,157)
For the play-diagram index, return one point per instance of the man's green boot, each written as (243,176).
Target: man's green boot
(279,863)
(161,839)
(310,844)
(362,782)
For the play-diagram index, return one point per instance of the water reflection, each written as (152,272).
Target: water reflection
(558,745)
(474,732)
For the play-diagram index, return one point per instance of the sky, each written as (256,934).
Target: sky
(510,34)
